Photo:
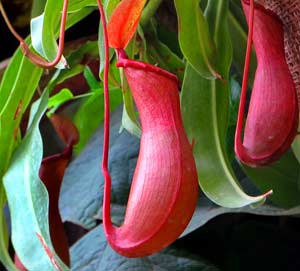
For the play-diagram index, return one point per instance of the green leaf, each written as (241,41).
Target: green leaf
(205,106)
(130,116)
(28,198)
(61,97)
(93,253)
(200,100)
(37,7)
(194,38)
(129,119)
(90,78)
(14,99)
(158,53)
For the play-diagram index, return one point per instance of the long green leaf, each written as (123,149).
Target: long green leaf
(205,106)
(14,99)
(28,198)
(194,38)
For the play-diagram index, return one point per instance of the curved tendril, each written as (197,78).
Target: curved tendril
(33,57)
(105,172)
(238,135)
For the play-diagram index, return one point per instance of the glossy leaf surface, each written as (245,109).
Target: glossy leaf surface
(206,122)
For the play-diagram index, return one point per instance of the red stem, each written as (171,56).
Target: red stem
(239,128)
(105,172)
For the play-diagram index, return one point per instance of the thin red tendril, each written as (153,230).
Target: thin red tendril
(105,172)
(239,128)
(33,57)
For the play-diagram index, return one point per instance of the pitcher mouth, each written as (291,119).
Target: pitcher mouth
(261,7)
(124,62)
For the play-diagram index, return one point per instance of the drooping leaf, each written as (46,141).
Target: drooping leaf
(60,98)
(28,199)
(205,105)
(195,38)
(216,176)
